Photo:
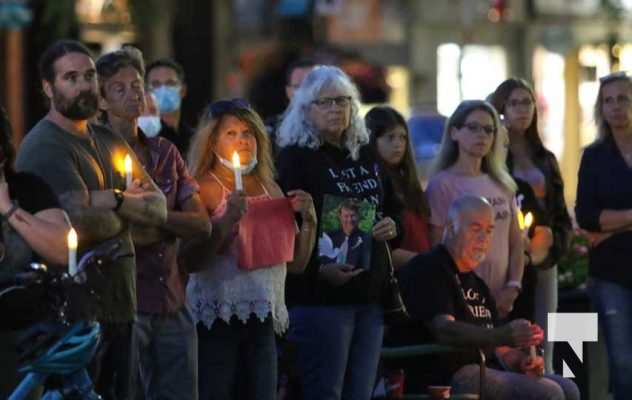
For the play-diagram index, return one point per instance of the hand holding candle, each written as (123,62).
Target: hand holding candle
(128,171)
(237,170)
(73,242)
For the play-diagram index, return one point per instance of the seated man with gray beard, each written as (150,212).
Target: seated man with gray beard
(441,290)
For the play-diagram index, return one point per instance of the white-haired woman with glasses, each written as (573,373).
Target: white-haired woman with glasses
(336,308)
(604,209)
(237,291)
(471,160)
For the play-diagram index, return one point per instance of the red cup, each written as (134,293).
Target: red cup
(395,384)
(439,392)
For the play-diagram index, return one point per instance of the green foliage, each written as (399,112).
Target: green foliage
(572,269)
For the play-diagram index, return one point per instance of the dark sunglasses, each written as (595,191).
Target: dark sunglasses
(221,107)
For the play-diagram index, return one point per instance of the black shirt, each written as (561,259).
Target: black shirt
(31,192)
(181,137)
(330,170)
(605,183)
(431,285)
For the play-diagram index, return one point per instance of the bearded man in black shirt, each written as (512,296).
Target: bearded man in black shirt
(441,289)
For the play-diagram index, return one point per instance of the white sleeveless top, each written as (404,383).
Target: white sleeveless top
(223,290)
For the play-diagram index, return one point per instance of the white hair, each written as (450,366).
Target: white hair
(460,206)
(297,128)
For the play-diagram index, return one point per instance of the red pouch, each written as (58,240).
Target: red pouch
(266,234)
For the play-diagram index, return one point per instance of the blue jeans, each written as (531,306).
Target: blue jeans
(237,360)
(504,385)
(167,348)
(613,303)
(338,349)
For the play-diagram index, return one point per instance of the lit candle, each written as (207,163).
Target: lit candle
(528,220)
(128,171)
(237,169)
(73,242)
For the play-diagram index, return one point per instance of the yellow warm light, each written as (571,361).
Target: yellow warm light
(528,220)
(236,161)
(521,220)
(73,240)
(128,164)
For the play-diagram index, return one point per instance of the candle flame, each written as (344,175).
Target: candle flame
(236,161)
(73,240)
(528,220)
(521,220)
(128,163)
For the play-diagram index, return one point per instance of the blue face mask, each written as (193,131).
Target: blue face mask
(150,125)
(168,98)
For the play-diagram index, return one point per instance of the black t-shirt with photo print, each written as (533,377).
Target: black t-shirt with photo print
(331,171)
(431,285)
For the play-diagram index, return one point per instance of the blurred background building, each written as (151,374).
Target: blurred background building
(422,56)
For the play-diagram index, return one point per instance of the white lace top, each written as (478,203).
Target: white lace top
(223,289)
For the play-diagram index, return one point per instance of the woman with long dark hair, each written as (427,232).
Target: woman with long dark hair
(390,140)
(531,162)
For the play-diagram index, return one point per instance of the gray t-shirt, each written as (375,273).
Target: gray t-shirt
(71,163)
(445,187)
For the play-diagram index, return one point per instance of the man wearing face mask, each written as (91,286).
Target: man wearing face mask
(165,79)
(164,330)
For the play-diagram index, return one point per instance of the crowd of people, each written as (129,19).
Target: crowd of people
(242,232)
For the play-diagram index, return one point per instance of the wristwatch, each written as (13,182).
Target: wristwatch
(119,196)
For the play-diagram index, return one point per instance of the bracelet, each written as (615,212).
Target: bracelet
(11,211)
(514,285)
(119,197)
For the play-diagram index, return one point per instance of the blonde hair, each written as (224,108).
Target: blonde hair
(201,157)
(493,163)
(297,128)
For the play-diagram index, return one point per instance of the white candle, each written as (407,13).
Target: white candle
(128,171)
(73,242)
(237,169)
(528,220)
(532,352)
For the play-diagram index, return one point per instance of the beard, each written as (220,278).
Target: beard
(79,108)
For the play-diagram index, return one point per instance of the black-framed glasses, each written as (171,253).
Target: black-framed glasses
(328,102)
(221,107)
(475,127)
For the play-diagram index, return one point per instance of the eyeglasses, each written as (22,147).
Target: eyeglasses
(478,128)
(328,102)
(621,100)
(526,103)
(221,107)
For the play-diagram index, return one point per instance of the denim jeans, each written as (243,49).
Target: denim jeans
(613,303)
(338,349)
(504,385)
(237,360)
(167,347)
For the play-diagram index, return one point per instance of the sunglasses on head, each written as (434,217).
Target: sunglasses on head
(220,107)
